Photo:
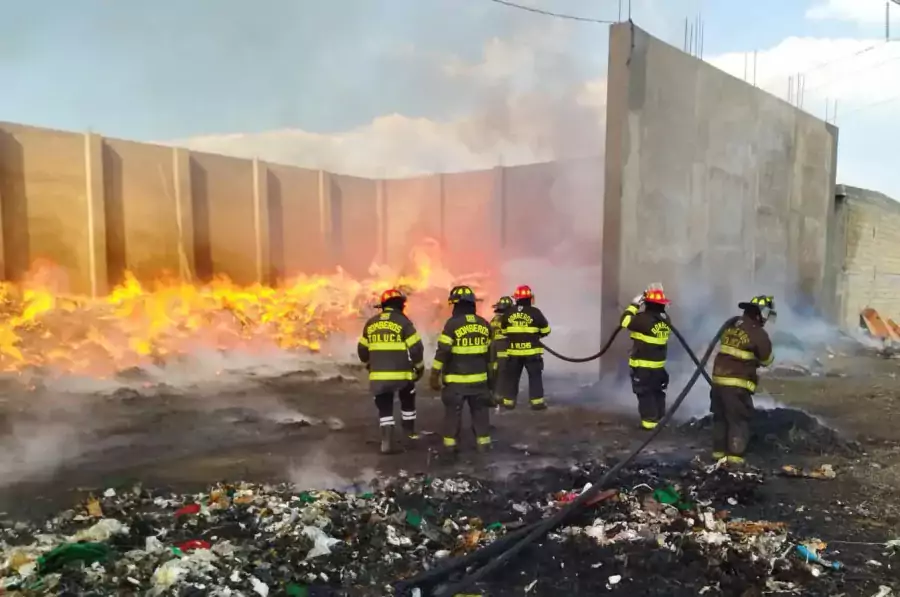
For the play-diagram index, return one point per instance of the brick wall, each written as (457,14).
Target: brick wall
(869,223)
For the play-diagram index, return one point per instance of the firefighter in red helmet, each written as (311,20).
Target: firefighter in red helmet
(650,334)
(392,351)
(524,325)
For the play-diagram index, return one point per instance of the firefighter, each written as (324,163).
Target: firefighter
(744,347)
(392,351)
(524,326)
(462,370)
(650,332)
(498,340)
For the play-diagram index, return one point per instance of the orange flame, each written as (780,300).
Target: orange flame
(137,325)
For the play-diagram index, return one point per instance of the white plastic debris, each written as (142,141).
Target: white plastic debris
(395,539)
(321,542)
(172,572)
(259,587)
(615,579)
(101,531)
(713,538)
(884,591)
(152,544)
(168,575)
(109,493)
(530,586)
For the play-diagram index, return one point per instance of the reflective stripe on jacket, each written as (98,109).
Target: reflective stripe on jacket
(463,352)
(391,349)
(524,326)
(743,348)
(650,335)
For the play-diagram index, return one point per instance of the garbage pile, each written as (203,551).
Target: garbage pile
(674,532)
(782,430)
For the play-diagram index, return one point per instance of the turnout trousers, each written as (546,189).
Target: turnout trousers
(649,385)
(732,411)
(500,366)
(385,404)
(479,402)
(509,382)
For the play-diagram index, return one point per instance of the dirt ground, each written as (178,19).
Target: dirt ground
(59,447)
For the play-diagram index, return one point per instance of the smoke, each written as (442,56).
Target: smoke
(318,469)
(41,436)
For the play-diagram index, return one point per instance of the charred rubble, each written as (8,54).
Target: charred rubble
(688,530)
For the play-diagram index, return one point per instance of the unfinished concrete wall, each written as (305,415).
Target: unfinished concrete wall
(868,225)
(100,207)
(414,210)
(146,213)
(472,228)
(713,187)
(225,218)
(357,223)
(51,187)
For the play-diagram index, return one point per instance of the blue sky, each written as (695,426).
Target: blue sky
(172,69)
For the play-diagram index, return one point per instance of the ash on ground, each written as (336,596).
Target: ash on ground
(679,530)
(782,430)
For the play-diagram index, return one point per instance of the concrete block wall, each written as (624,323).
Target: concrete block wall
(868,231)
(99,207)
(713,187)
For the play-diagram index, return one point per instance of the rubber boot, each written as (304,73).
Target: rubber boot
(542,405)
(387,439)
(409,430)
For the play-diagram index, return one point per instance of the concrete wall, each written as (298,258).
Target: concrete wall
(143,224)
(51,190)
(100,207)
(713,187)
(868,236)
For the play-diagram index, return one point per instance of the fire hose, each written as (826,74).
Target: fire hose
(507,547)
(606,346)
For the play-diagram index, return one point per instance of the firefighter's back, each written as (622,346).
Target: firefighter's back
(743,348)
(524,326)
(467,368)
(386,335)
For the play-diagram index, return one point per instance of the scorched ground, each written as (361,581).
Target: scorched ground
(136,474)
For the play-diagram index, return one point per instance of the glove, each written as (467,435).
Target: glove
(418,372)
(638,300)
(435,380)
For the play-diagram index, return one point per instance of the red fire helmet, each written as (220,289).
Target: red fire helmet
(657,296)
(391,293)
(523,292)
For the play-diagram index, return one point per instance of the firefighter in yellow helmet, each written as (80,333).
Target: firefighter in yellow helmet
(524,327)
(650,335)
(744,347)
(392,351)
(499,342)
(462,371)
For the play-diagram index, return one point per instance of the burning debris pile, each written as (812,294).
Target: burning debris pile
(675,532)
(42,327)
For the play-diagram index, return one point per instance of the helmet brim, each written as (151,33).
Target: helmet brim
(746,305)
(658,301)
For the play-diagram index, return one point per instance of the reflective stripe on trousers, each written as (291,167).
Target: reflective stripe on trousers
(734,382)
(643,364)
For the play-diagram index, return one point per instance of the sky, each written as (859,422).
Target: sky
(394,88)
